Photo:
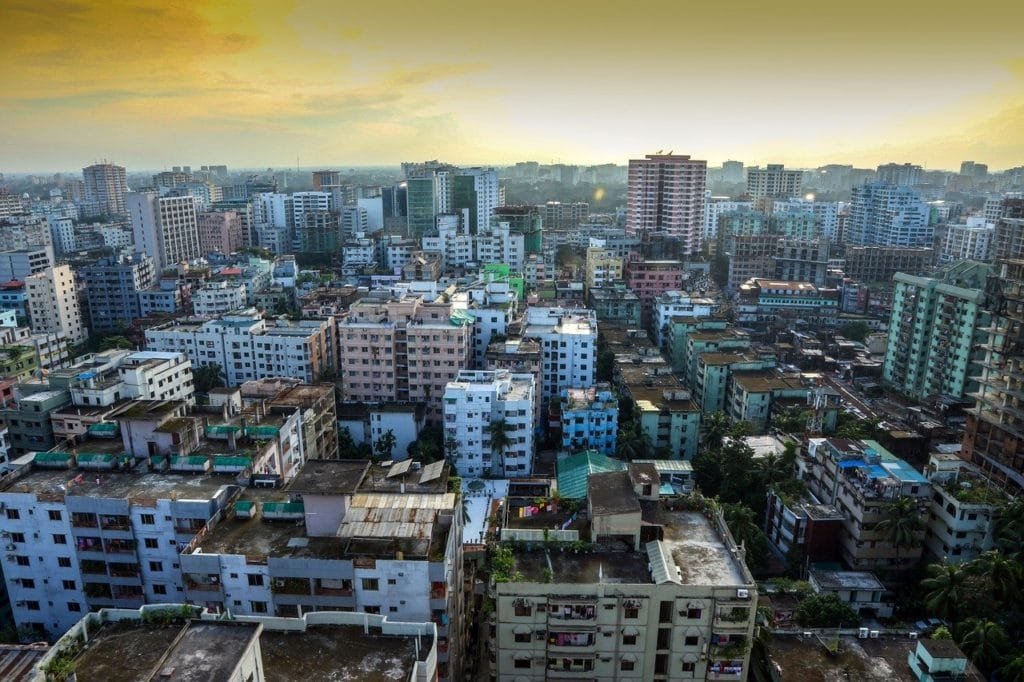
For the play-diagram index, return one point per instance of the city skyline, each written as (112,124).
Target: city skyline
(253,85)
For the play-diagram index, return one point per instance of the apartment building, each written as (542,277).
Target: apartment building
(112,289)
(366,538)
(936,331)
(967,242)
(53,305)
(568,339)
(678,304)
(218,298)
(602,268)
(860,478)
(588,419)
(665,194)
(879,263)
(799,260)
(963,506)
(714,373)
(164,227)
(774,181)
(888,215)
(564,216)
(616,304)
(105,189)
(248,347)
(993,437)
(493,306)
(403,348)
(803,525)
(489,415)
(220,231)
(765,306)
(660,595)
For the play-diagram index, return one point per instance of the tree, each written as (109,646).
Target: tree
(742,523)
(714,429)
(1013,671)
(1009,527)
(1002,573)
(984,642)
(825,611)
(855,331)
(499,430)
(429,445)
(791,419)
(116,342)
(385,445)
(208,377)
(631,443)
(901,524)
(946,586)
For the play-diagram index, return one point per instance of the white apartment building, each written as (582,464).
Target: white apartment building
(826,214)
(568,339)
(106,378)
(63,231)
(493,305)
(218,298)
(53,303)
(678,304)
(502,245)
(248,347)
(963,507)
(716,206)
(478,404)
(457,248)
(164,227)
(968,242)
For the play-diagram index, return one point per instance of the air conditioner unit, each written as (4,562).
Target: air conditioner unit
(912,635)
(742,594)
(11,547)
(874,634)
(808,635)
(862,633)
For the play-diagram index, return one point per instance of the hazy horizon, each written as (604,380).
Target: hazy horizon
(248,85)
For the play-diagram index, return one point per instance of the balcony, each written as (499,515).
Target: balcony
(736,617)
(570,641)
(573,612)
(290,586)
(84,521)
(203,583)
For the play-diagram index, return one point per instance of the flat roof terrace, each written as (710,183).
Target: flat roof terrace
(337,654)
(628,568)
(698,550)
(137,483)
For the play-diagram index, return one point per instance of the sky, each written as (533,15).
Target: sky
(150,84)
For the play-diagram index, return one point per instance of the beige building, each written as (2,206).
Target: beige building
(403,348)
(53,303)
(602,268)
(650,593)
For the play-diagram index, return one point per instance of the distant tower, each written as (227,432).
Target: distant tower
(106,185)
(666,195)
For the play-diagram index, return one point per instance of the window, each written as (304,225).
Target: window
(59,539)
(691,640)
(55,515)
(148,519)
(32,605)
(13,514)
(665,612)
(64,562)
(29,583)
(68,584)
(523,609)
(258,606)
(372,609)
(627,665)
(151,543)
(522,637)
(156,566)
(522,663)
(17,537)
(631,612)
(74,606)
(392,581)
(22,560)
(629,640)
(371,584)
(693,614)
(255,579)
(688,666)
(159,589)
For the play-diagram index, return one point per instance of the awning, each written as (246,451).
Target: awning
(103,428)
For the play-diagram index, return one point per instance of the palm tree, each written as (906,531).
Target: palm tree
(714,429)
(465,509)
(1013,671)
(1009,527)
(945,584)
(631,443)
(984,642)
(901,524)
(1002,573)
(499,430)
(742,522)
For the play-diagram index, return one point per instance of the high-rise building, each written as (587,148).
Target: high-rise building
(568,339)
(967,242)
(773,182)
(112,287)
(994,432)
(325,178)
(164,227)
(888,215)
(53,303)
(489,414)
(978,171)
(732,172)
(475,191)
(220,232)
(105,187)
(666,195)
(879,263)
(937,331)
(898,174)
(565,216)
(717,206)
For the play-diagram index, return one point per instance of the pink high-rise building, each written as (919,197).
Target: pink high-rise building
(666,195)
(220,231)
(403,349)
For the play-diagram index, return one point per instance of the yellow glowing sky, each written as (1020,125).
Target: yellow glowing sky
(153,83)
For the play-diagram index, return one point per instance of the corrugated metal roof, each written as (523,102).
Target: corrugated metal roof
(574,472)
(663,568)
(400,500)
(668,466)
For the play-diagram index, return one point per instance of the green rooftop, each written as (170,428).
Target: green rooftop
(575,471)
